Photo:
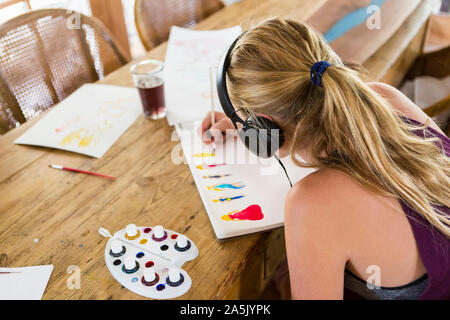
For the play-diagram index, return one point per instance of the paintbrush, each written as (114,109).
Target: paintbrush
(55,166)
(213,116)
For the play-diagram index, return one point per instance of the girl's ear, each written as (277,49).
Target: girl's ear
(263,115)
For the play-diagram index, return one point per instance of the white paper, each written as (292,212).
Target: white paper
(26,283)
(89,121)
(265,183)
(190,55)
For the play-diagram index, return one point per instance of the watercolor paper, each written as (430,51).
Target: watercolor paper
(190,55)
(26,283)
(89,121)
(241,193)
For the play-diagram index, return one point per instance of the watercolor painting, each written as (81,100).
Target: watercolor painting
(258,205)
(190,55)
(221,187)
(224,199)
(89,121)
(251,213)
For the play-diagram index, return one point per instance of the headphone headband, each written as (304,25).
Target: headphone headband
(222,90)
(264,140)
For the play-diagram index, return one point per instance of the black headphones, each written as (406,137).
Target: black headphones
(261,136)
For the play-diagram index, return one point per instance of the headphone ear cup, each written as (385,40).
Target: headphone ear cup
(262,136)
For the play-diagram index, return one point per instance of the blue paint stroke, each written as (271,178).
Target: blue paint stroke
(350,21)
(220,187)
(227,185)
(222,199)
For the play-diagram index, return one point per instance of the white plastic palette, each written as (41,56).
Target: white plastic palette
(148,260)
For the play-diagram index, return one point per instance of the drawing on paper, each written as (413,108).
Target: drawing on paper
(251,213)
(225,199)
(221,187)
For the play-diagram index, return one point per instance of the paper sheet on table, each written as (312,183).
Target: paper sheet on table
(26,283)
(89,121)
(265,183)
(190,55)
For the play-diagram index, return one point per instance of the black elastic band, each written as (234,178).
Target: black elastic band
(284,168)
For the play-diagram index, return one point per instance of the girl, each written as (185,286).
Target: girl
(377,208)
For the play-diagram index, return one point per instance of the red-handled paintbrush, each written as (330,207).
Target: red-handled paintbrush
(56,166)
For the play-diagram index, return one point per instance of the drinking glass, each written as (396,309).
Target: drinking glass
(148,79)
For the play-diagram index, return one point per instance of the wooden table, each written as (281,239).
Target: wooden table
(64,210)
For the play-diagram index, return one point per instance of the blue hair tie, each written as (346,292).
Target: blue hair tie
(317,71)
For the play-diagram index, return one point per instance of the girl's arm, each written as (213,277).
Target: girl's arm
(402,104)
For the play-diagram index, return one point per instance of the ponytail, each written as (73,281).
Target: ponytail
(342,122)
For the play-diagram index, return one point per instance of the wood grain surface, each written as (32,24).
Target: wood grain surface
(359,43)
(64,210)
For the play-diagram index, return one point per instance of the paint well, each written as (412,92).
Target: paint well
(160,287)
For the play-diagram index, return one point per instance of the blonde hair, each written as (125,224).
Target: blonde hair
(344,124)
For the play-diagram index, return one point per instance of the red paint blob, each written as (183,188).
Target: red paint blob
(147,230)
(149,264)
(251,213)
(174,236)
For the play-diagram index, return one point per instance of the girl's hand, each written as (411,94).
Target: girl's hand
(215,133)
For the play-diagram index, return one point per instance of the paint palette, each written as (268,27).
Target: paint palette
(148,260)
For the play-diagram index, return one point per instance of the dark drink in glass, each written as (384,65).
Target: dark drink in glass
(148,79)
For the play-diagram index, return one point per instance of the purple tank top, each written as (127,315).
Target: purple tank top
(434,247)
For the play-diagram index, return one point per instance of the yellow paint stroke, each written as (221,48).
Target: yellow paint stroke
(85,141)
(80,135)
(143,241)
(86,137)
(204,155)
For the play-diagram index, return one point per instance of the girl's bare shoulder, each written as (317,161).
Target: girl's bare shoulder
(326,197)
(402,103)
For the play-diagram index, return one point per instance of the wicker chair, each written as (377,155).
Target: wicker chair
(155,17)
(45,56)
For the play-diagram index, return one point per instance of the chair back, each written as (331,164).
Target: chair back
(154,18)
(47,54)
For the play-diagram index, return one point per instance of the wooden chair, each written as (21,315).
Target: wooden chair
(154,18)
(435,64)
(47,54)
